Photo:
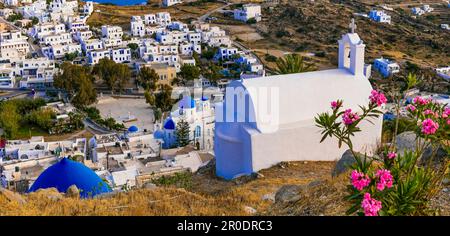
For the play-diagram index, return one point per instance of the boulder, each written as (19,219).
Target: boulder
(437,155)
(315,183)
(51,193)
(73,191)
(346,161)
(289,193)
(269,197)
(149,185)
(406,141)
(106,195)
(12,196)
(250,210)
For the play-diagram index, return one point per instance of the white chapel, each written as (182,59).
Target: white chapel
(267,120)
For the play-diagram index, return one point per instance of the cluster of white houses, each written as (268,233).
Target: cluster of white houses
(421,10)
(380,16)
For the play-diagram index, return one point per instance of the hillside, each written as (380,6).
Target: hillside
(205,194)
(315,26)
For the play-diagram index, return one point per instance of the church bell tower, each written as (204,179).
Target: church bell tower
(351,52)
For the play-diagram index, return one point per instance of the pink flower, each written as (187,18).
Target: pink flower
(446,113)
(392,155)
(448,122)
(359,180)
(377,98)
(335,105)
(349,117)
(420,100)
(411,108)
(428,112)
(429,126)
(384,179)
(370,205)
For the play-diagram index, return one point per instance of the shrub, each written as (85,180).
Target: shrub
(393,183)
(270,58)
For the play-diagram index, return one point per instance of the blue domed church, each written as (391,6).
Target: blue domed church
(66,173)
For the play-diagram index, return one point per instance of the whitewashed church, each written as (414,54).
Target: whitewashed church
(277,122)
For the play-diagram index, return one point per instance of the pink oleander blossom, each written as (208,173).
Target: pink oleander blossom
(428,112)
(446,113)
(370,205)
(359,180)
(377,98)
(392,155)
(385,179)
(420,100)
(349,118)
(335,105)
(411,108)
(429,126)
(448,122)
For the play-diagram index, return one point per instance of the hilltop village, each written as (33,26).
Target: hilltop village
(147,101)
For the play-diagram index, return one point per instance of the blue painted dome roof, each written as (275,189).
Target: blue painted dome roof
(133,129)
(158,134)
(204,98)
(169,123)
(187,102)
(66,173)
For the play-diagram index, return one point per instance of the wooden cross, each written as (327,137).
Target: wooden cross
(352,26)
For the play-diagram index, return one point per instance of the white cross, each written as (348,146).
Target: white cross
(352,26)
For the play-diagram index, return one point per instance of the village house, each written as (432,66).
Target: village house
(444,72)
(168,3)
(261,131)
(91,44)
(225,53)
(36,9)
(248,11)
(95,55)
(41,30)
(386,67)
(121,54)
(13,43)
(7,78)
(379,16)
(35,73)
(165,72)
(88,8)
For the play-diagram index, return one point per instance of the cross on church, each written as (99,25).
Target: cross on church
(352,26)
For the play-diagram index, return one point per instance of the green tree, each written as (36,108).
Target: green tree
(163,98)
(189,73)
(43,118)
(182,133)
(113,74)
(147,78)
(77,82)
(150,98)
(9,119)
(292,63)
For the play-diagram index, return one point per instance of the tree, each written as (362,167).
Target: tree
(182,133)
(149,98)
(163,99)
(148,78)
(42,118)
(34,20)
(189,72)
(77,82)
(9,119)
(292,63)
(114,75)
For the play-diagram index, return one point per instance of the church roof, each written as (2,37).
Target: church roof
(158,134)
(169,124)
(66,173)
(133,129)
(187,102)
(302,96)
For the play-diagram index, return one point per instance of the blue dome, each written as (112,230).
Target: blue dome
(187,102)
(169,124)
(158,134)
(204,98)
(133,129)
(66,173)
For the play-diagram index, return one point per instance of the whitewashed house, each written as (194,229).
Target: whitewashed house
(7,78)
(95,55)
(248,11)
(186,48)
(225,53)
(58,51)
(112,32)
(36,9)
(379,16)
(121,55)
(254,131)
(168,3)
(41,30)
(81,36)
(137,26)
(88,8)
(386,67)
(52,39)
(91,44)
(38,72)
(13,43)
(444,72)
(163,18)
(417,11)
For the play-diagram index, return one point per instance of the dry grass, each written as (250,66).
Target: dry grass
(208,195)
